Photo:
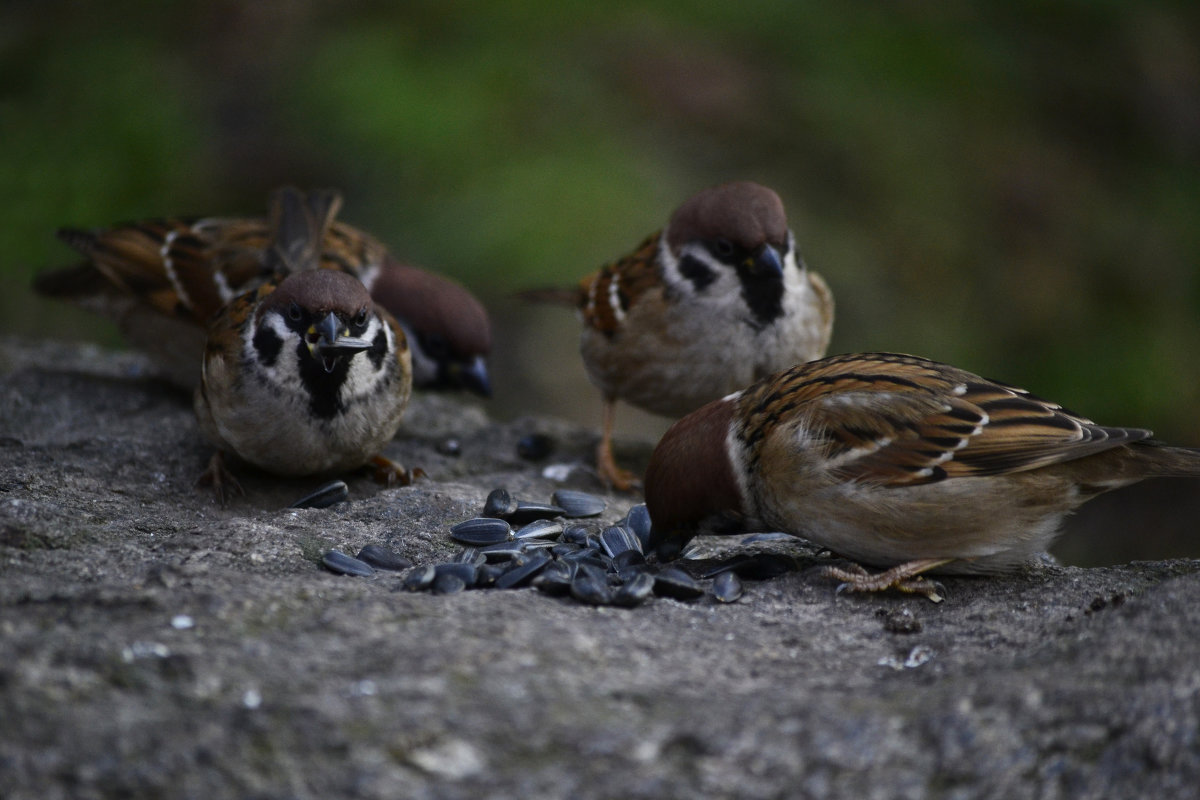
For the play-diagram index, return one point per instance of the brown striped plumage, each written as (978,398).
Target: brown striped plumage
(297,370)
(895,461)
(606,295)
(161,278)
(716,299)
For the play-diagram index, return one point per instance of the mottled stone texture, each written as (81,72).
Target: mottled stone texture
(155,645)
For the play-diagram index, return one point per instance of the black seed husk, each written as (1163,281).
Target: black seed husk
(341,564)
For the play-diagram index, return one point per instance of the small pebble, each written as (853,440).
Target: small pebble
(330,494)
(450,447)
(339,563)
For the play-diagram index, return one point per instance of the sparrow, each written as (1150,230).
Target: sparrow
(303,374)
(893,461)
(716,299)
(162,280)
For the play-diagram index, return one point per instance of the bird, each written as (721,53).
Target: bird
(303,374)
(163,279)
(716,299)
(895,462)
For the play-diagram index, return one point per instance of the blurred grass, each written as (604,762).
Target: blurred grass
(1014,187)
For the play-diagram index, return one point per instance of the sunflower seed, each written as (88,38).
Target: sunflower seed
(341,564)
(420,578)
(330,494)
(727,587)
(634,592)
(586,589)
(554,579)
(381,557)
(464,572)
(616,540)
(482,531)
(527,512)
(519,576)
(499,502)
(637,521)
(447,583)
(674,582)
(540,529)
(577,534)
(579,504)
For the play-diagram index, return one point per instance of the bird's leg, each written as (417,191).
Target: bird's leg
(620,479)
(906,577)
(389,473)
(222,481)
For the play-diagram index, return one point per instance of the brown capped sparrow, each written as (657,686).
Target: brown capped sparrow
(303,374)
(717,299)
(894,461)
(163,279)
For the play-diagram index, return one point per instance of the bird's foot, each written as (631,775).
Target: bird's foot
(390,474)
(217,475)
(906,578)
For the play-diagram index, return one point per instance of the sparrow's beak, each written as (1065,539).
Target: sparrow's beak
(766,264)
(474,377)
(665,546)
(328,341)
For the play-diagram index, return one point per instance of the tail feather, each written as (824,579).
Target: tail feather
(1167,461)
(68,282)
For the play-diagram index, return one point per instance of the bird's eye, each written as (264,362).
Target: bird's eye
(294,312)
(723,247)
(361,318)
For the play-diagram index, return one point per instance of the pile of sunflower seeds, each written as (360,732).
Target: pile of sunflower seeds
(517,543)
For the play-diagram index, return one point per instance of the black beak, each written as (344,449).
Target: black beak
(331,344)
(667,548)
(767,263)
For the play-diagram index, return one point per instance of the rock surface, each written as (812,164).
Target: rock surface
(156,645)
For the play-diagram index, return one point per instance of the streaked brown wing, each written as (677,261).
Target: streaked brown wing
(607,294)
(900,420)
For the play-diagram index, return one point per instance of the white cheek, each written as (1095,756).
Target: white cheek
(362,377)
(285,371)
(723,286)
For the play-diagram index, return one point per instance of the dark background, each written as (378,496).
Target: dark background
(1010,186)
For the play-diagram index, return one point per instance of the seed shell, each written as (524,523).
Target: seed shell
(341,564)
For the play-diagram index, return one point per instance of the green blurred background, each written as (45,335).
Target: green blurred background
(1010,186)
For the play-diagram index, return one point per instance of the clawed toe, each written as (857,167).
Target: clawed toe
(217,475)
(905,578)
(391,474)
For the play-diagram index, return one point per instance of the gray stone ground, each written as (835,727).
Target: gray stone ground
(155,645)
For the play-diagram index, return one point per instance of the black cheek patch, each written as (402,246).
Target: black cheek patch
(378,349)
(268,344)
(764,297)
(697,272)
